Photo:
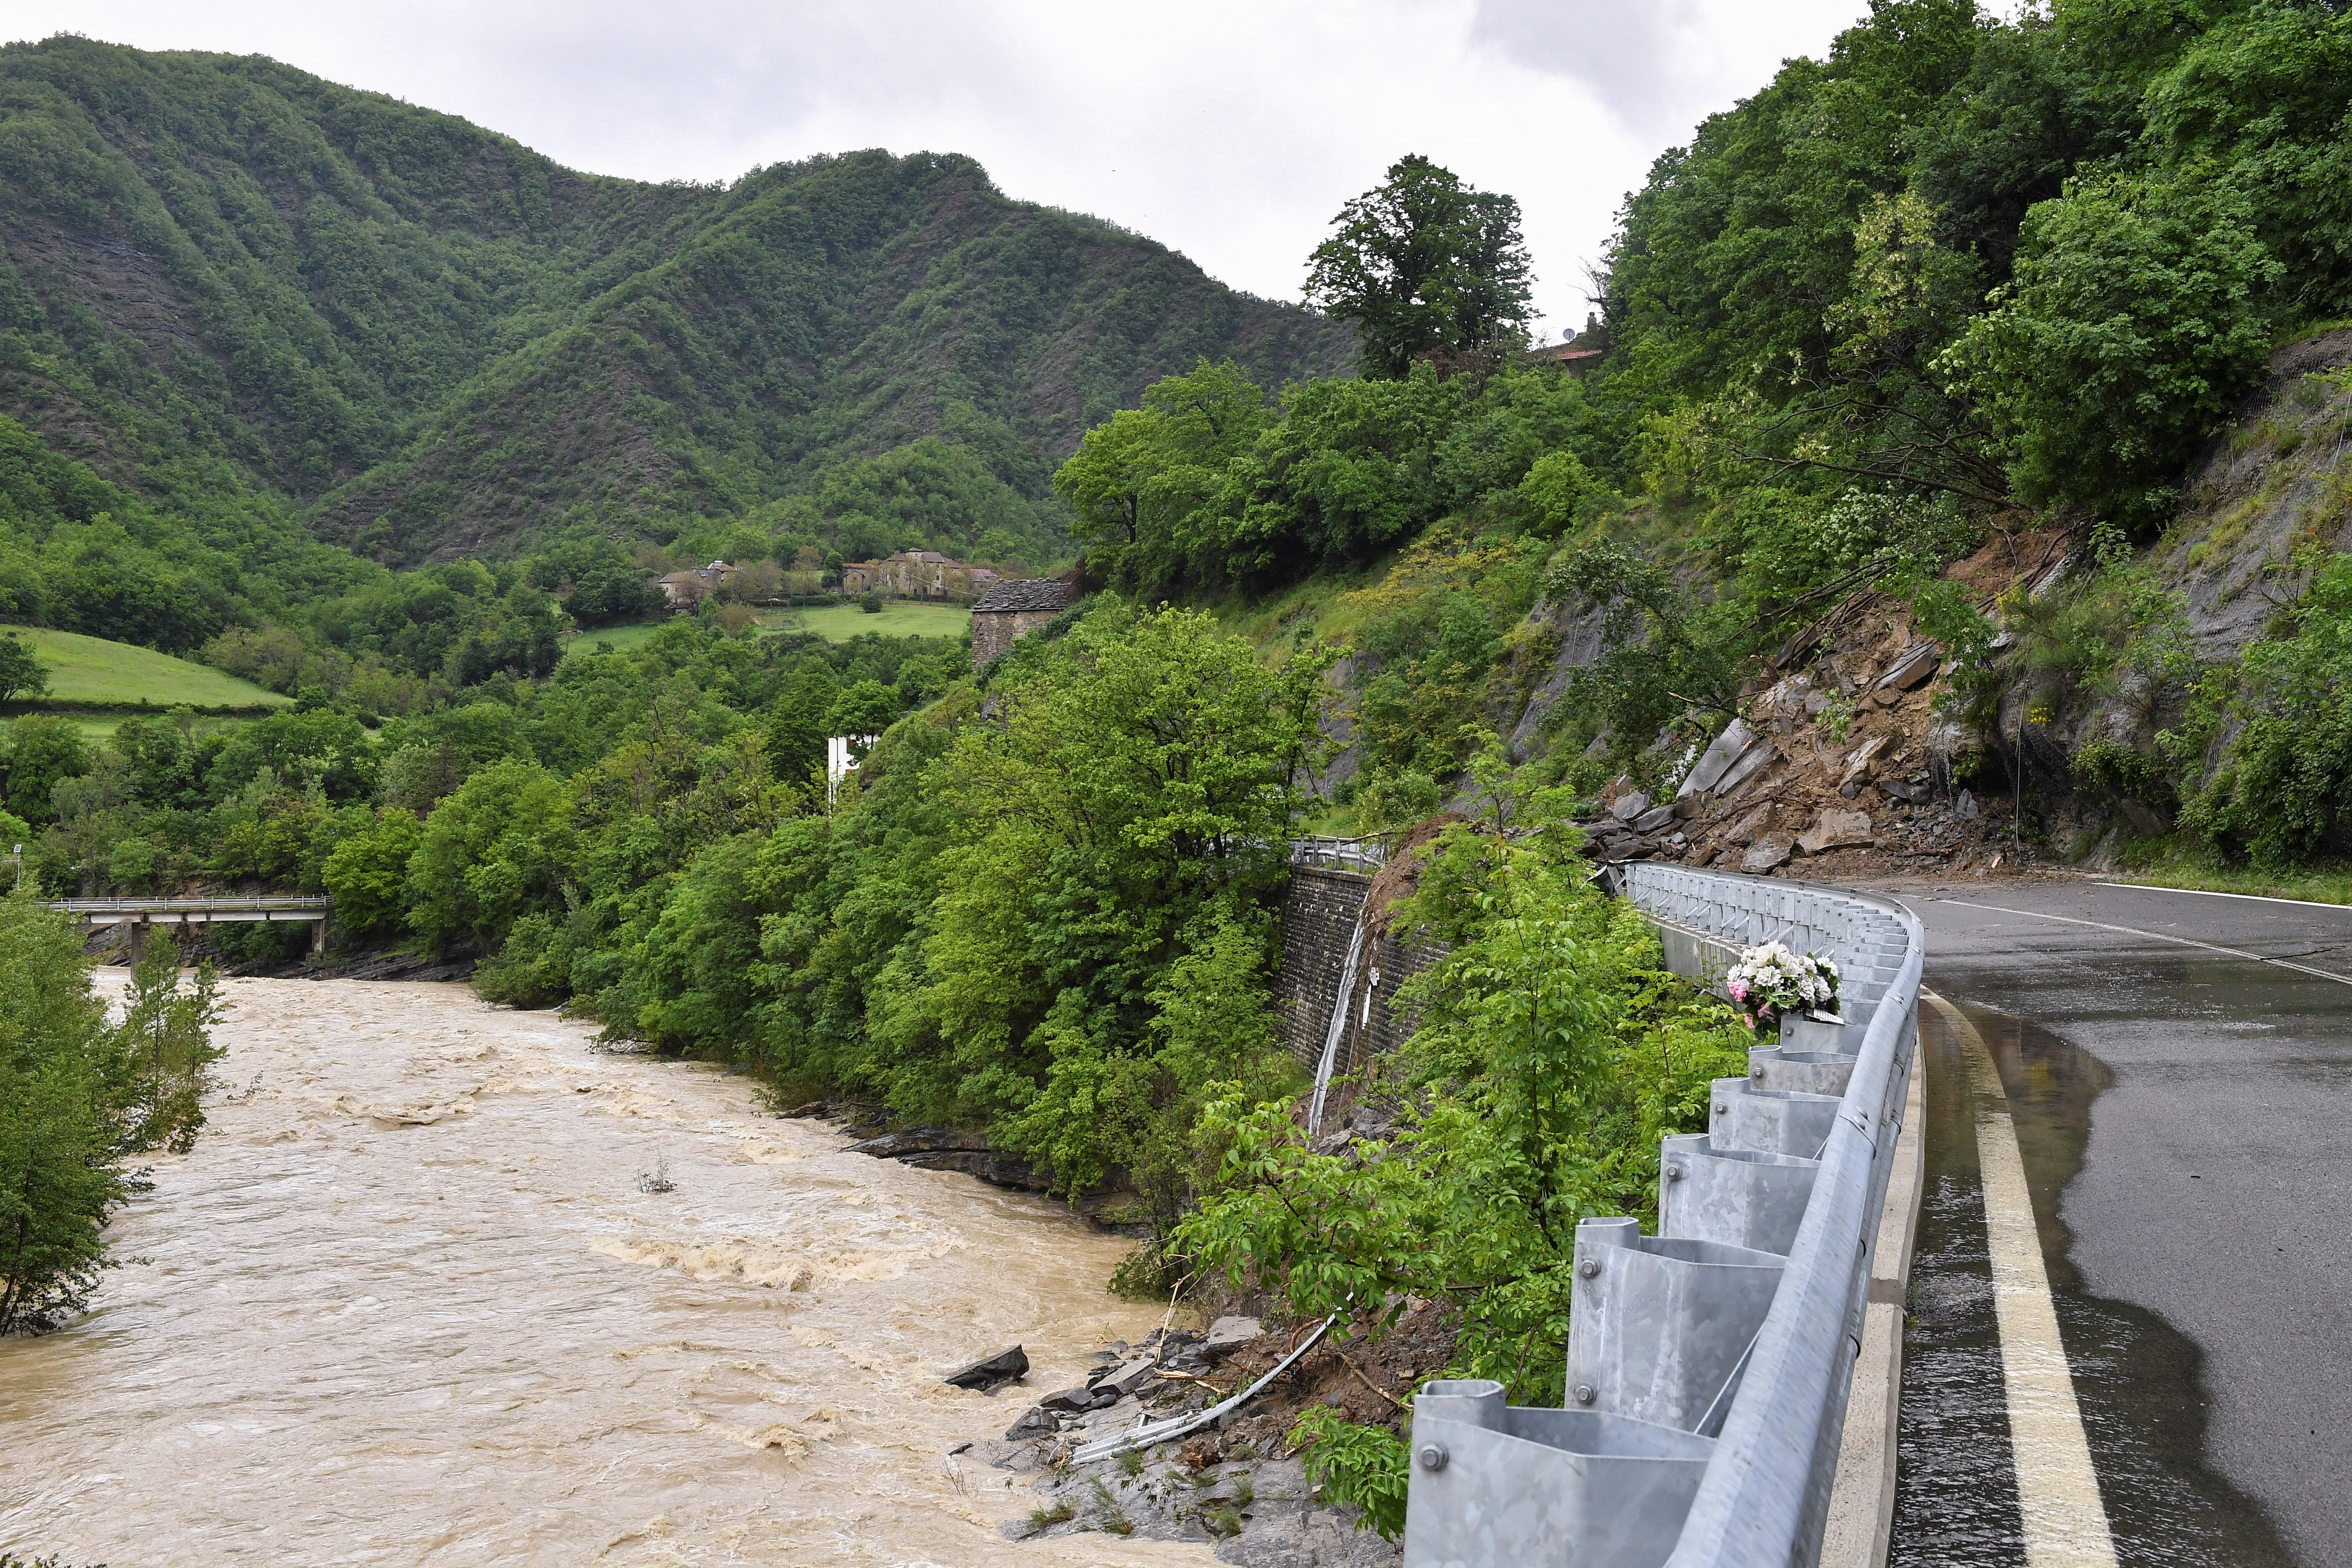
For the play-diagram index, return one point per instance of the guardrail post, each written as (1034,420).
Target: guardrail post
(1738,1197)
(1660,1323)
(1772,1121)
(1499,1486)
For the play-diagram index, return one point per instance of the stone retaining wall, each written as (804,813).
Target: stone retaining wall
(1318,917)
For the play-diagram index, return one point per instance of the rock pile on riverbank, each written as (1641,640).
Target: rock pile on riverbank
(1236,1482)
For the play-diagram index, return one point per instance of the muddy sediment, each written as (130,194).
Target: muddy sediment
(442,1282)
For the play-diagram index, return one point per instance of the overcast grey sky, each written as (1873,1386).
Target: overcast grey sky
(1232,130)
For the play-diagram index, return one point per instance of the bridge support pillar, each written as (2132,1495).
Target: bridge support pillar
(138,942)
(319,938)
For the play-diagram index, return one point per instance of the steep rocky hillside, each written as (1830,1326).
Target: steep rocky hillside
(221,272)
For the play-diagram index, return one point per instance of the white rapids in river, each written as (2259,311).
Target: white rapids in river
(406,1304)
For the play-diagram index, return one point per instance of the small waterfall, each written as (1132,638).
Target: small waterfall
(1339,1028)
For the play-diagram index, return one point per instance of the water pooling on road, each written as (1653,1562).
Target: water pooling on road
(2138,1382)
(406,1304)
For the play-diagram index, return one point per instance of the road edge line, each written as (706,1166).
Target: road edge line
(2061,1511)
(1862,1496)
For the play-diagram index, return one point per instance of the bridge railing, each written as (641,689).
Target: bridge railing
(1709,1366)
(166,912)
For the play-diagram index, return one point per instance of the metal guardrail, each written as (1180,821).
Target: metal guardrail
(1708,1365)
(1369,855)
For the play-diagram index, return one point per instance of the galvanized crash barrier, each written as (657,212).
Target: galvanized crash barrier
(1708,1365)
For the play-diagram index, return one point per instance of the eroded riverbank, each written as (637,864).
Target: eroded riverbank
(407,1302)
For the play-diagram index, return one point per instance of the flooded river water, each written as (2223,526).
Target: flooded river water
(407,1303)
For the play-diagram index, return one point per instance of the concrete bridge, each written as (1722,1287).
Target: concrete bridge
(139,914)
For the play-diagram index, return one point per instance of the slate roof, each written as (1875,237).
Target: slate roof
(1025,594)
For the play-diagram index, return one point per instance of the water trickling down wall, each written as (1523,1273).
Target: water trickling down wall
(1318,920)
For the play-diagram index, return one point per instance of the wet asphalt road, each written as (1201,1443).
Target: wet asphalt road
(2186,1119)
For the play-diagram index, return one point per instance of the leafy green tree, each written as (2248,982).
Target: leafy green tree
(1143,484)
(1427,268)
(1123,819)
(324,747)
(610,592)
(1353,468)
(867,707)
(2134,322)
(76,1096)
(488,853)
(42,749)
(165,1044)
(21,673)
(797,724)
(60,1173)
(2264,96)
(367,874)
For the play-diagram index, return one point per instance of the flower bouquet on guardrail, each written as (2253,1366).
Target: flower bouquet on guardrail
(1769,981)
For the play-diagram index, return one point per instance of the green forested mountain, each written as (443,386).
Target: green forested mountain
(225,278)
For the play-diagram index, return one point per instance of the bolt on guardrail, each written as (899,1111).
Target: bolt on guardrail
(1708,1365)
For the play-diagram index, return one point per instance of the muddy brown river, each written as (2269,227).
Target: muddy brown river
(407,1303)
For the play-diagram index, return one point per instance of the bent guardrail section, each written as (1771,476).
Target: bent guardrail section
(1708,1365)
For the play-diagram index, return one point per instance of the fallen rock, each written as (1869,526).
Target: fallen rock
(918,1141)
(1750,827)
(996,1170)
(1650,821)
(1227,1335)
(1630,806)
(1757,759)
(1911,670)
(1965,808)
(1857,764)
(1835,830)
(1725,750)
(1132,1378)
(1001,1367)
(1767,855)
(1077,1401)
(1036,1422)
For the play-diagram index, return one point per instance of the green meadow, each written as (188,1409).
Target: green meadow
(92,671)
(897,618)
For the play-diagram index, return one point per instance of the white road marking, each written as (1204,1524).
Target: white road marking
(2064,1523)
(2154,936)
(2213,893)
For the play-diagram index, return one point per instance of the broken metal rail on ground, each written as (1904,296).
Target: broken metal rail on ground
(1145,1432)
(1709,1366)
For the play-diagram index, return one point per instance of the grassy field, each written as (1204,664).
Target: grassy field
(900,618)
(623,638)
(94,671)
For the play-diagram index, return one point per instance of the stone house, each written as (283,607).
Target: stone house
(1010,609)
(916,574)
(683,590)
